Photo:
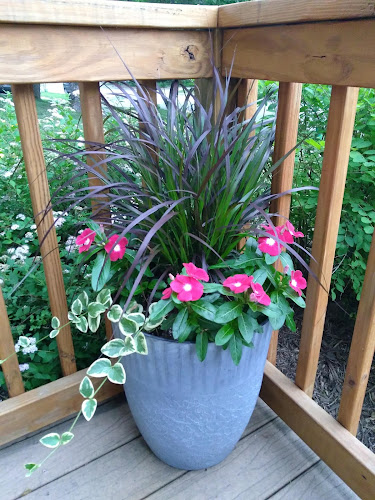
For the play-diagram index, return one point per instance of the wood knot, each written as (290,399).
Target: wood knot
(191,51)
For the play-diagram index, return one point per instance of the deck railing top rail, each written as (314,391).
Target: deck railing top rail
(113,13)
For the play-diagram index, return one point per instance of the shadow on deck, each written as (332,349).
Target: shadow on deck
(108,459)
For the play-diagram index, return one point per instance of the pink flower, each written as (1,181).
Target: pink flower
(167,293)
(238,283)
(187,288)
(297,282)
(196,272)
(85,239)
(269,245)
(115,247)
(259,295)
(290,229)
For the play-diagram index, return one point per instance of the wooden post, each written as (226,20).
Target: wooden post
(361,352)
(92,119)
(11,368)
(332,184)
(32,148)
(282,177)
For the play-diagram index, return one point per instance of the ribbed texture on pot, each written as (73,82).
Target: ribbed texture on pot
(192,414)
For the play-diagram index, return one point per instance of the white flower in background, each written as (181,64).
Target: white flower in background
(59,220)
(29,236)
(14,227)
(33,226)
(20,253)
(29,349)
(24,367)
(8,173)
(11,251)
(1,282)
(70,245)
(21,216)
(78,209)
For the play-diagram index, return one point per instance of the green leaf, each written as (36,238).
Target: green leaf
(95,309)
(113,349)
(72,317)
(77,307)
(99,368)
(290,322)
(53,334)
(227,312)
(51,440)
(115,313)
(368,229)
(201,345)
(30,468)
(149,325)
(180,324)
(204,309)
(260,276)
(81,324)
(296,299)
(212,297)
(270,259)
(127,326)
(93,323)
(66,437)
(224,334)
(117,374)
(134,307)
(86,389)
(212,287)
(160,309)
(247,326)
(55,323)
(286,260)
(84,298)
(104,297)
(138,317)
(235,347)
(23,341)
(88,408)
(100,272)
(277,321)
(140,343)
(129,346)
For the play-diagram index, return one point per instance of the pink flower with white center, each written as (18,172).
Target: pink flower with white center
(166,293)
(259,295)
(238,283)
(297,282)
(267,244)
(116,247)
(187,288)
(196,272)
(85,239)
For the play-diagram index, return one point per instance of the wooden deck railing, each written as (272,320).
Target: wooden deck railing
(290,41)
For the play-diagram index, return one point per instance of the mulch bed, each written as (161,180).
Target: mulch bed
(337,336)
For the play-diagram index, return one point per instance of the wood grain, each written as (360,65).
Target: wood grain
(331,191)
(45,405)
(10,368)
(332,53)
(292,11)
(282,178)
(31,53)
(361,351)
(107,13)
(339,449)
(111,427)
(32,148)
(318,483)
(277,461)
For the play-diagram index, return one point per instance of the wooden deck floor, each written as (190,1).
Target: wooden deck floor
(108,459)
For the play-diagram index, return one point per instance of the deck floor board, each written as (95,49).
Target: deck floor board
(108,459)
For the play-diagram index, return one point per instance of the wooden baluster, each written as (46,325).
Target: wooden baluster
(282,178)
(11,368)
(361,351)
(332,184)
(27,119)
(92,119)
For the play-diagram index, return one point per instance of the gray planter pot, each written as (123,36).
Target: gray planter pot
(192,414)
